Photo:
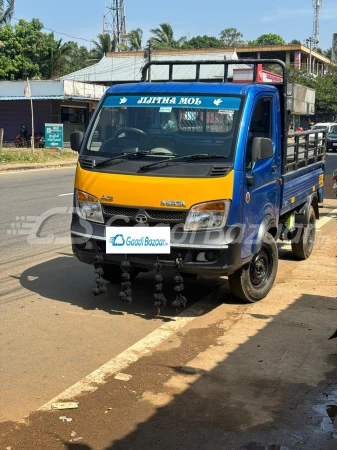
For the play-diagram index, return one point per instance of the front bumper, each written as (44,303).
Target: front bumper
(223,250)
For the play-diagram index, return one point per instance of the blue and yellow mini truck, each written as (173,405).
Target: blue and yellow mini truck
(211,161)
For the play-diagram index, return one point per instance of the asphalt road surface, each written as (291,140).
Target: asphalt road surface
(53,330)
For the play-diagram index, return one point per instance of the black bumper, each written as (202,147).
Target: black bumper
(225,257)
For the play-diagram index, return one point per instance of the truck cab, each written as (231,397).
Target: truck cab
(208,160)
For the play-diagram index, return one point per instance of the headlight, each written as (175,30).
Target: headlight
(207,216)
(89,207)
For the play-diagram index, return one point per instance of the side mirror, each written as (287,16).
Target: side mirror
(76,140)
(262,149)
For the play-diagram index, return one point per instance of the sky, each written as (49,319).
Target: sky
(84,18)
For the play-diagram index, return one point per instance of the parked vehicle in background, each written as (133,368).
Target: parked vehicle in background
(332,138)
(39,140)
(319,126)
(21,139)
(335,180)
(24,140)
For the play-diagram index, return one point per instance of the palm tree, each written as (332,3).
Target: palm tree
(103,46)
(162,35)
(6,11)
(60,58)
(135,39)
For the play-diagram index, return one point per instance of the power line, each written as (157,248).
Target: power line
(59,32)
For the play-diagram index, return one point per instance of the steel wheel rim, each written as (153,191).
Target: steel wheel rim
(261,268)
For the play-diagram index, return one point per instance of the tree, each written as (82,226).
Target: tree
(163,37)
(134,39)
(27,51)
(295,41)
(24,48)
(325,86)
(301,77)
(328,53)
(60,58)
(270,39)
(103,46)
(326,93)
(6,11)
(203,42)
(231,37)
(163,34)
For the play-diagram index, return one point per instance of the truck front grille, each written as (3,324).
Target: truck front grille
(120,216)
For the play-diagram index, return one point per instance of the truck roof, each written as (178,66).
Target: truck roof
(190,88)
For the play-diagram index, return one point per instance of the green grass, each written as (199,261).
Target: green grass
(22,156)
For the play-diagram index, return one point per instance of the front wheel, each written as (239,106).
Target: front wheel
(113,273)
(254,281)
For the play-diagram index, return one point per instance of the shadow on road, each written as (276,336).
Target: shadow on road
(271,388)
(275,391)
(65,279)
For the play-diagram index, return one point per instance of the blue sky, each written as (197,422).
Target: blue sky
(84,18)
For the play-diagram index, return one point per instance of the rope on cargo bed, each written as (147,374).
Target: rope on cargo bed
(126,294)
(180,301)
(101,288)
(159,297)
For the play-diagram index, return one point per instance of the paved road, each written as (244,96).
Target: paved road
(240,377)
(53,330)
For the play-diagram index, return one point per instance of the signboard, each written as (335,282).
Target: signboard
(53,135)
(175,101)
(334,47)
(263,76)
(301,99)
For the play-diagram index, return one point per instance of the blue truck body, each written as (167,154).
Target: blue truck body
(277,179)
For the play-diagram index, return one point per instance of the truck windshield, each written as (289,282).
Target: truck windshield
(163,125)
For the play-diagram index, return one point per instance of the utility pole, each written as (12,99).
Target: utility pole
(148,57)
(310,42)
(28,94)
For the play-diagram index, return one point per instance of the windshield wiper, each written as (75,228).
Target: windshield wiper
(102,163)
(139,154)
(187,158)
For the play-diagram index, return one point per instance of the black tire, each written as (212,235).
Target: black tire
(113,273)
(304,239)
(254,281)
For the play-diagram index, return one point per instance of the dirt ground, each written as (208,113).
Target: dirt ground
(241,376)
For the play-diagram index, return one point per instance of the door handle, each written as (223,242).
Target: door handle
(274,168)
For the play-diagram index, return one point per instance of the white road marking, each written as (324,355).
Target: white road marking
(91,382)
(319,224)
(324,220)
(65,195)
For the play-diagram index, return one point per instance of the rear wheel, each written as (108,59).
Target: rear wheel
(113,273)
(303,243)
(254,281)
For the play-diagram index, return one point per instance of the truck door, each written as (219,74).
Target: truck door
(263,195)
